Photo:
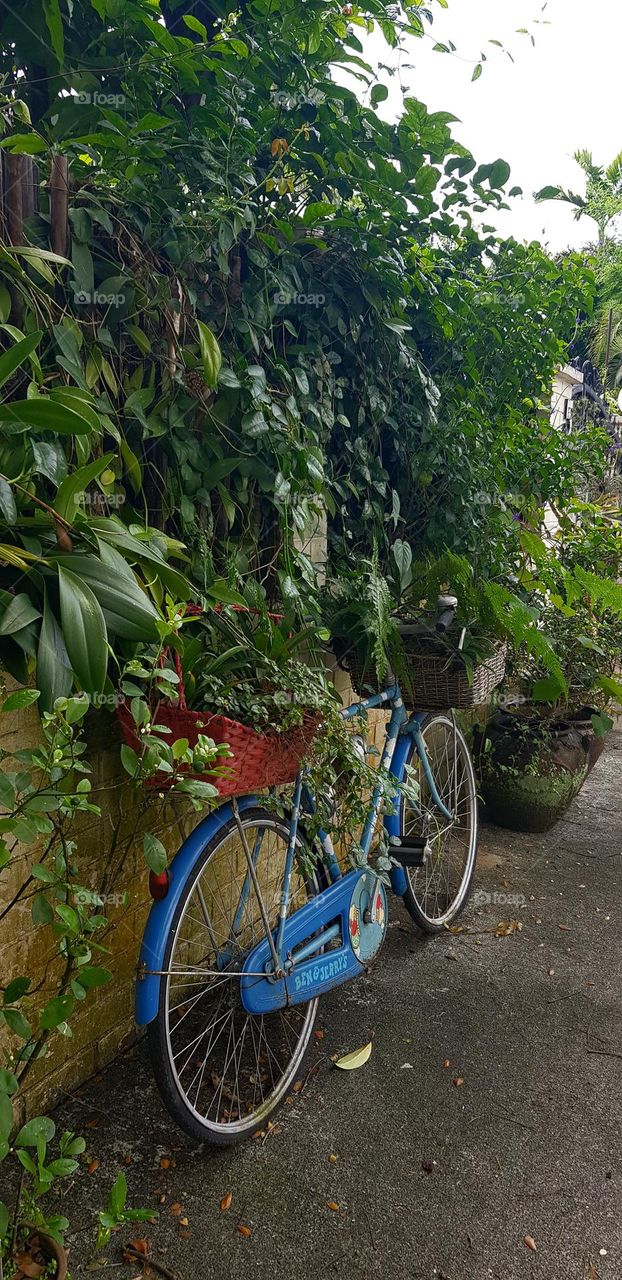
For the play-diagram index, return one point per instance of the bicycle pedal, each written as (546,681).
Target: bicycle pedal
(412,853)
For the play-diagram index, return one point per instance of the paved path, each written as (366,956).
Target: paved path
(433,1181)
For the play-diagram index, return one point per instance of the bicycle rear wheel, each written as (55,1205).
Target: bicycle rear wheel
(221,1072)
(438,891)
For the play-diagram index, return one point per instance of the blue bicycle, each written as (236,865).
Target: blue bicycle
(247,937)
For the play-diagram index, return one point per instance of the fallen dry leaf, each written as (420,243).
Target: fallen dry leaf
(297,1087)
(332,1204)
(185,1235)
(94,1165)
(319,1035)
(141,1246)
(427,1166)
(333,1159)
(226,1202)
(458,1080)
(244,1230)
(127,1159)
(506,927)
(566,928)
(358,1058)
(165,1163)
(446,1062)
(176,1209)
(183,1222)
(592,1273)
(531,1244)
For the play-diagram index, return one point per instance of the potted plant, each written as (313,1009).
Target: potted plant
(536,752)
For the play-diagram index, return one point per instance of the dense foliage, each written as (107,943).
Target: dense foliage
(265,304)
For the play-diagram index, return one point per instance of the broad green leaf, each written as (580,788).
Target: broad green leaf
(7,502)
(91,976)
(221,591)
(42,413)
(156,856)
(128,611)
(211,356)
(19,613)
(72,489)
(15,990)
(17,1023)
(56,1011)
(6,1116)
(84,631)
(40,1129)
(54,673)
(10,360)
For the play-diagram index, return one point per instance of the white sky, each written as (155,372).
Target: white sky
(556,97)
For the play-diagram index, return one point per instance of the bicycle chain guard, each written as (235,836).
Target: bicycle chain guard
(357,903)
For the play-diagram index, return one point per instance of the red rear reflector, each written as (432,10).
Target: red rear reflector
(158,885)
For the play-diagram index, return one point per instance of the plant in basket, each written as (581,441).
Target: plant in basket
(229,680)
(387,624)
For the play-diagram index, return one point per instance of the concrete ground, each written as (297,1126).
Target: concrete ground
(396,1169)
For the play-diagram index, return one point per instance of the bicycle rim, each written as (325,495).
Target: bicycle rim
(230,1069)
(438,891)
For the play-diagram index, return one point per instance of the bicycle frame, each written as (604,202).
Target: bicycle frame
(399,724)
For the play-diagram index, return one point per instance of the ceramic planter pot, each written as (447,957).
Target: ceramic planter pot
(38,1248)
(581,720)
(530,770)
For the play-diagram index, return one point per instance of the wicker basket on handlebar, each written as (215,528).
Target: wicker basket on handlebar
(438,681)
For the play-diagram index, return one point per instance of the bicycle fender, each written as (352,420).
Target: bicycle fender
(160,919)
(392,821)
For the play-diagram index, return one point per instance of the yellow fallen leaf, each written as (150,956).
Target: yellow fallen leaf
(244,1230)
(226,1202)
(332,1204)
(356,1059)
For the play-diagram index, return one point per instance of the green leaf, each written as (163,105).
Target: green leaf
(19,613)
(403,556)
(15,990)
(499,174)
(7,502)
(4,1218)
(17,1023)
(221,591)
(156,856)
(54,23)
(477,72)
(91,976)
(56,1011)
(10,360)
(118,1196)
(6,1116)
(44,414)
(40,1129)
(379,93)
(41,910)
(211,355)
(127,609)
(54,674)
(8,1082)
(20,699)
(84,631)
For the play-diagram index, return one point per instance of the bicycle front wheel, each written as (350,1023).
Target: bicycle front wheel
(222,1073)
(438,891)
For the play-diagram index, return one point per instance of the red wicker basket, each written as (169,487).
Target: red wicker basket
(258,760)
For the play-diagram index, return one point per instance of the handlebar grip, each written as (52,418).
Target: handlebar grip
(445,619)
